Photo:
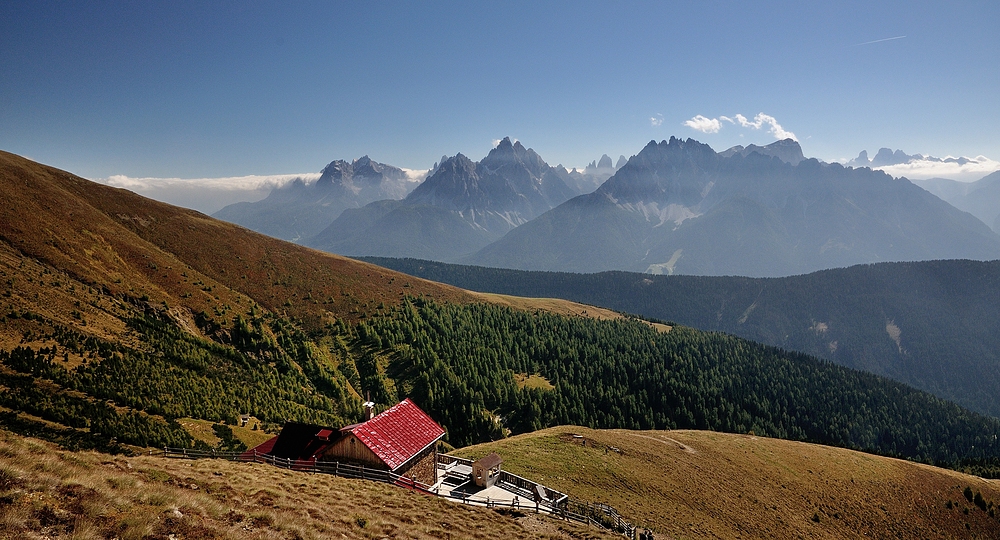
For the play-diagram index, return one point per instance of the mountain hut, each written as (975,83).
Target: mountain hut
(402,440)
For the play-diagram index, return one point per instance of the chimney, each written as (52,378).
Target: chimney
(369,410)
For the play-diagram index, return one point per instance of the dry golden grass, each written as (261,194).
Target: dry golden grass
(535,381)
(699,484)
(551,305)
(48,493)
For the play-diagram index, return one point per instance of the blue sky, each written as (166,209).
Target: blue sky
(213,89)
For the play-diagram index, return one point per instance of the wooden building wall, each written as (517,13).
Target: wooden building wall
(350,449)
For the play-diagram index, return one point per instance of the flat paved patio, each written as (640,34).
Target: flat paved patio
(455,481)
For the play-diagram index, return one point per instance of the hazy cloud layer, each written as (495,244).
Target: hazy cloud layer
(714,125)
(922,169)
(206,194)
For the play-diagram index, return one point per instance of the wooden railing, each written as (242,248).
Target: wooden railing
(556,503)
(336,468)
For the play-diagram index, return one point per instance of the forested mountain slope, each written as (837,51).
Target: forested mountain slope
(929,324)
(123,316)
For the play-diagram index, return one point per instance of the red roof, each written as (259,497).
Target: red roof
(398,434)
(262,448)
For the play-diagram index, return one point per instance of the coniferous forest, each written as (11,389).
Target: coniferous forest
(929,324)
(465,365)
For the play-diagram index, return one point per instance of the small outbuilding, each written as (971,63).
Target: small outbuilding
(486,470)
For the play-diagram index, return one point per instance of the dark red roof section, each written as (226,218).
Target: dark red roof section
(399,433)
(262,448)
(299,441)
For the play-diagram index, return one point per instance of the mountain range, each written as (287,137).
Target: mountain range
(461,207)
(680,207)
(298,210)
(980,198)
(887,156)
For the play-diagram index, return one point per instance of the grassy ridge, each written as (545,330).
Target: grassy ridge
(47,492)
(699,484)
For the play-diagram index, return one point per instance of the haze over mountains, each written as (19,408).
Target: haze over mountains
(299,210)
(677,207)
(980,198)
(461,207)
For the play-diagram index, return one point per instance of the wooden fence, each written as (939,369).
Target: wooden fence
(556,503)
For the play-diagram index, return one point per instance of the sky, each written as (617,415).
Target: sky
(237,90)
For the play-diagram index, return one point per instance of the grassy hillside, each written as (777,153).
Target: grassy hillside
(928,324)
(699,484)
(47,493)
(119,315)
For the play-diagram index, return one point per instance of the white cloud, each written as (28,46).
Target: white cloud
(714,125)
(656,121)
(764,119)
(228,183)
(922,169)
(496,143)
(417,175)
(206,194)
(704,125)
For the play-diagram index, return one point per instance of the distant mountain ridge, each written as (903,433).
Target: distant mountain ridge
(680,207)
(299,210)
(786,150)
(886,157)
(594,174)
(980,198)
(462,206)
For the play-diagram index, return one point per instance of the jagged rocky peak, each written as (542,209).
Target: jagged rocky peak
(509,153)
(621,162)
(787,150)
(601,166)
(459,162)
(886,156)
(860,161)
(340,172)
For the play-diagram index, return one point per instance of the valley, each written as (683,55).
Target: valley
(154,326)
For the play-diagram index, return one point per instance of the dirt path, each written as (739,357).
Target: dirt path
(667,441)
